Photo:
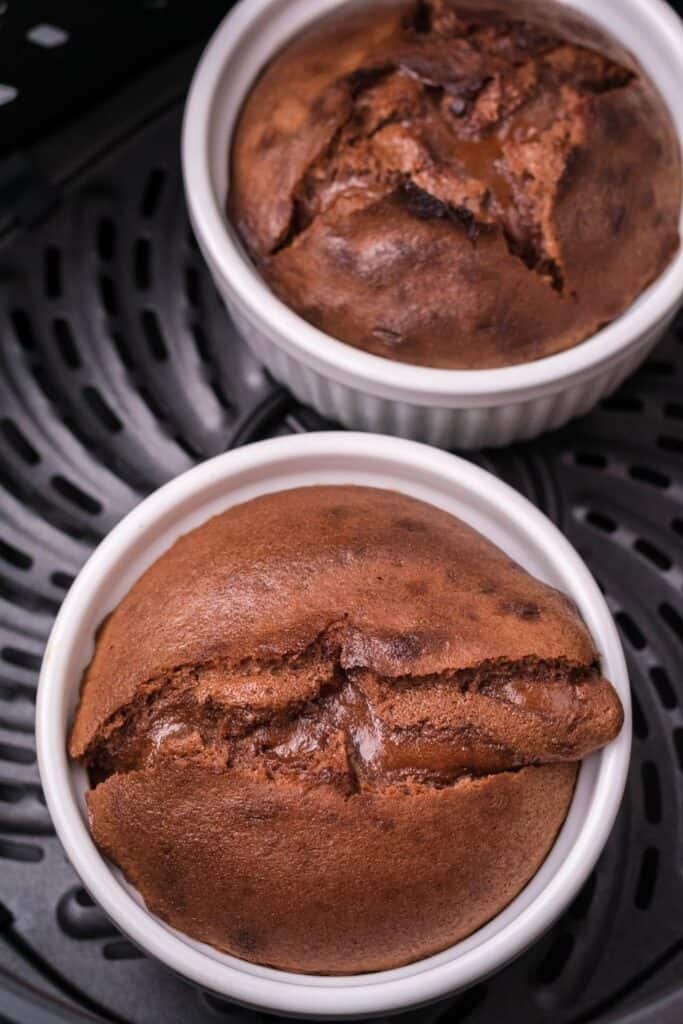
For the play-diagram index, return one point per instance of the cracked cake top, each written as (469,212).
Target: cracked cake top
(335,729)
(283,600)
(456,184)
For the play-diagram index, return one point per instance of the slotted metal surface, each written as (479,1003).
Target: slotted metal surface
(118,370)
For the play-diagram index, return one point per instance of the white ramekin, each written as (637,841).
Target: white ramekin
(444,480)
(463,408)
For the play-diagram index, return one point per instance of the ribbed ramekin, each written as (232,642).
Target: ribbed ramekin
(463,408)
(492,507)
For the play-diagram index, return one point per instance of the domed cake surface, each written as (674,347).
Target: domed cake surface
(335,730)
(456,184)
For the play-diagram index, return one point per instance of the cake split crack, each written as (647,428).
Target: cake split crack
(460,128)
(328,720)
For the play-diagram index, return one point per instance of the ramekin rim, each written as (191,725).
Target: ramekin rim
(291,993)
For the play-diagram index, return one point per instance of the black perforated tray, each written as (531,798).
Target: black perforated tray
(118,370)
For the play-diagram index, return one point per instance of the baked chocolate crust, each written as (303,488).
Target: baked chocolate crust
(334,729)
(456,184)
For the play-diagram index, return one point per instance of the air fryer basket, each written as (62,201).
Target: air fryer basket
(118,370)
